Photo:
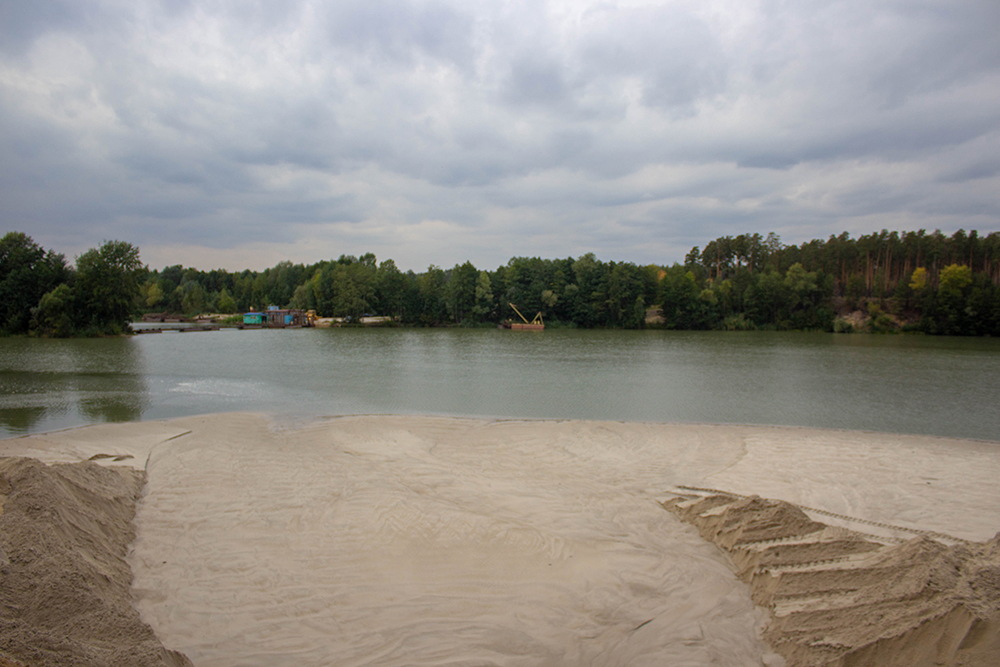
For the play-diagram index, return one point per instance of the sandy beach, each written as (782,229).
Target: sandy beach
(402,540)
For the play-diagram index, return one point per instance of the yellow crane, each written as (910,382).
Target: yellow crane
(534,325)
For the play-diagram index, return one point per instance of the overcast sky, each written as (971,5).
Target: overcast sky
(239,133)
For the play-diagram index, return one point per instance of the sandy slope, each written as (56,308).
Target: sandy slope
(418,540)
(64,582)
(839,597)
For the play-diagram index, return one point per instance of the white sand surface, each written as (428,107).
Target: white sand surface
(398,540)
(936,484)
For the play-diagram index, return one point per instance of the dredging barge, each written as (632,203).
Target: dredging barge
(535,324)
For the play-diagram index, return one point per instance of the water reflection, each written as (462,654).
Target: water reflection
(48,384)
(21,420)
(906,384)
(121,407)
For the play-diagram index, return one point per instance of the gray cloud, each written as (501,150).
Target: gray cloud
(398,30)
(535,81)
(673,53)
(437,131)
(22,22)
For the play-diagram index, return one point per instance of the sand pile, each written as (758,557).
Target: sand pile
(64,582)
(839,597)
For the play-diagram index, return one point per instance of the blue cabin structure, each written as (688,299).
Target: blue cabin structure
(277,318)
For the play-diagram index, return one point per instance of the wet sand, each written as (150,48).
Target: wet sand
(399,540)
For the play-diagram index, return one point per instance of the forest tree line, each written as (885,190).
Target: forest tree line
(915,281)
(42,295)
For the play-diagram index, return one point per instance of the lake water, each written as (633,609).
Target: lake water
(905,384)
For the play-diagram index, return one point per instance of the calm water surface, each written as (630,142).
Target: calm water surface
(907,384)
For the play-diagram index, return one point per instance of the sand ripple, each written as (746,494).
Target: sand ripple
(420,541)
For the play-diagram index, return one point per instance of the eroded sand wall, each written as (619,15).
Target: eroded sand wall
(839,598)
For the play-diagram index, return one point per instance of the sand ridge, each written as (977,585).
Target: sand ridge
(840,598)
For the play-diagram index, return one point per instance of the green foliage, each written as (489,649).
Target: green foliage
(27,272)
(738,323)
(735,283)
(857,290)
(39,292)
(346,288)
(959,307)
(918,281)
(738,283)
(955,278)
(55,313)
(107,287)
(392,289)
(767,298)
(485,303)
(625,304)
(153,293)
(225,303)
(460,292)
(802,283)
(638,319)
(683,304)
(193,302)
(840,325)
(430,288)
(880,321)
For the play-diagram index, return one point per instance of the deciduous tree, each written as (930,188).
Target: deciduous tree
(106,287)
